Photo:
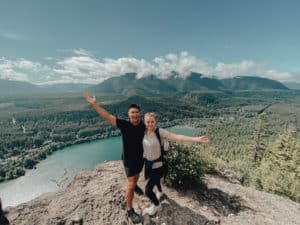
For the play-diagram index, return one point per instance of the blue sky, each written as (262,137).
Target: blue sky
(51,41)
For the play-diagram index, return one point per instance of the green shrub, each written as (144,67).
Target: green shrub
(19,171)
(186,166)
(29,163)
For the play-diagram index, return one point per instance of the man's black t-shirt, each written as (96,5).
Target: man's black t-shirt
(132,137)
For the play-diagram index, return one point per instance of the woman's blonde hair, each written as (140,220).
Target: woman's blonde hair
(150,114)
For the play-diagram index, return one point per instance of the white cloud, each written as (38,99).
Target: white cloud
(281,76)
(10,35)
(8,72)
(244,68)
(83,67)
(25,70)
(183,64)
(81,51)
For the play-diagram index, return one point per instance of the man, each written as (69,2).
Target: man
(132,155)
(3,219)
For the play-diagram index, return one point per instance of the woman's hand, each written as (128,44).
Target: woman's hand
(202,139)
(90,99)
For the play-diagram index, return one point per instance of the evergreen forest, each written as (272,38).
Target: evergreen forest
(255,134)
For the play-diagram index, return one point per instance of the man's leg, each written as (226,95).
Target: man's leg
(131,183)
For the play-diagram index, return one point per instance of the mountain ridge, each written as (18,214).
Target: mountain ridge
(174,84)
(129,84)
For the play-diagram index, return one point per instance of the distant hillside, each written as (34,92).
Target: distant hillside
(11,87)
(251,83)
(17,87)
(151,85)
(292,85)
(65,87)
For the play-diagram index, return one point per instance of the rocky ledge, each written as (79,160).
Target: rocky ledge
(97,198)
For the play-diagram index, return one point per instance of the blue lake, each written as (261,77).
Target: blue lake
(65,164)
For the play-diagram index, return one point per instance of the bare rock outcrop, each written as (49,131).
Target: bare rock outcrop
(97,198)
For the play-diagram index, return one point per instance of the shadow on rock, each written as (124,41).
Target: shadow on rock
(220,202)
(173,213)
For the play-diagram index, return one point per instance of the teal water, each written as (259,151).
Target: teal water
(63,165)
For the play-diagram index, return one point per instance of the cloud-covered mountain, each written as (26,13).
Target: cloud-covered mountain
(128,83)
(81,66)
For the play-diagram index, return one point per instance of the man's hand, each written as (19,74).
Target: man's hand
(101,111)
(90,99)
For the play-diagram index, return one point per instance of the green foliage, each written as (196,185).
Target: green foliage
(19,171)
(260,137)
(229,118)
(186,166)
(279,170)
(29,163)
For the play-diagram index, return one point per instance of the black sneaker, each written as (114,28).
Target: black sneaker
(134,217)
(138,190)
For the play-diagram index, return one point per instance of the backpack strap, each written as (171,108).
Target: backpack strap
(163,159)
(159,139)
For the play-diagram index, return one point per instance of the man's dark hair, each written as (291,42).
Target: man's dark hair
(134,106)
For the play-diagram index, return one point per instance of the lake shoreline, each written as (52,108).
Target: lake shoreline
(51,147)
(59,169)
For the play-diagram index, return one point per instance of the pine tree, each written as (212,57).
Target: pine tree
(279,171)
(260,137)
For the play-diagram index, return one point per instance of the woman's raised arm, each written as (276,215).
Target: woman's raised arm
(183,138)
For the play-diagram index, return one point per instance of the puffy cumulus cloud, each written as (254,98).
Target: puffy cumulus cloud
(83,67)
(99,70)
(26,65)
(183,64)
(128,65)
(25,70)
(7,71)
(243,68)
(280,76)
(78,66)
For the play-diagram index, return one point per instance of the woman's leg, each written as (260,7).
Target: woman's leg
(157,178)
(149,191)
(158,185)
(154,179)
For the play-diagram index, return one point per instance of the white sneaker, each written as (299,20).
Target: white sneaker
(159,195)
(153,209)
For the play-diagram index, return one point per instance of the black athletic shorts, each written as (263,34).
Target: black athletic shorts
(133,167)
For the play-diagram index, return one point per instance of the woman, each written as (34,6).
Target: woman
(152,154)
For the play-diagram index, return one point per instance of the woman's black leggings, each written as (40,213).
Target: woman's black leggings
(154,179)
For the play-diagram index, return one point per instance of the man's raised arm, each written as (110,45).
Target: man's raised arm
(101,111)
